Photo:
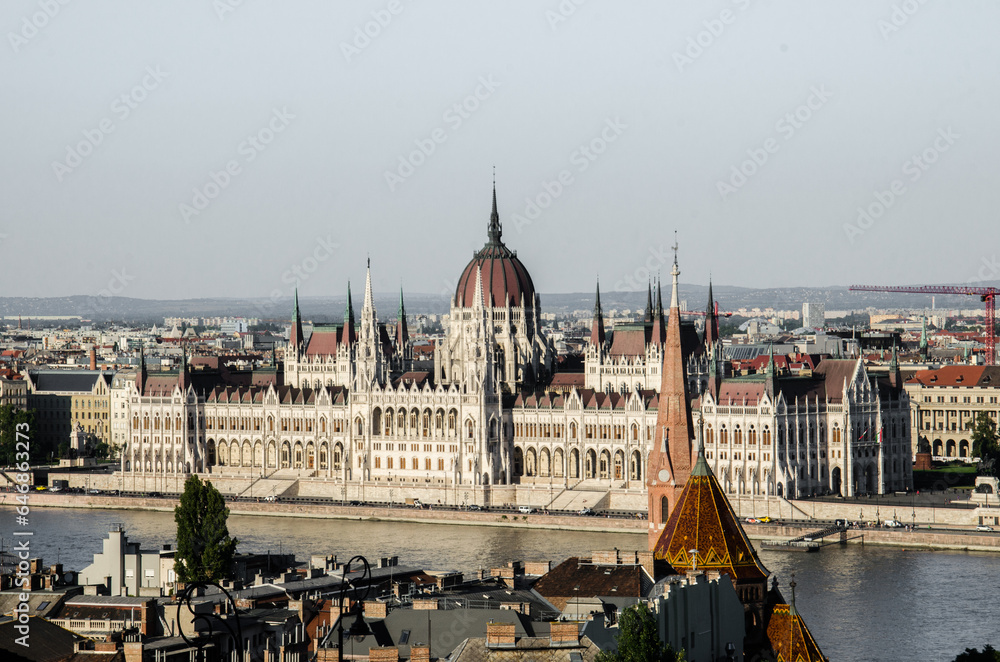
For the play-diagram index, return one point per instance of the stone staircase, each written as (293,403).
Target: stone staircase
(579,497)
(264,487)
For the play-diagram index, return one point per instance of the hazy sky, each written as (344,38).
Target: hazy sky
(185,149)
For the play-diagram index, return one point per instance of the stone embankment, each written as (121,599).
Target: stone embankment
(918,538)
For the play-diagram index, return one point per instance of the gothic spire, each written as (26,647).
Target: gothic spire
(349,334)
(671,458)
(402,333)
(648,315)
(711,321)
(597,335)
(659,324)
(495,230)
(295,337)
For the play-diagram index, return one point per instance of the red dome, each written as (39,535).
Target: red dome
(504,277)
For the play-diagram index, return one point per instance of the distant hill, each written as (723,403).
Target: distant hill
(321,309)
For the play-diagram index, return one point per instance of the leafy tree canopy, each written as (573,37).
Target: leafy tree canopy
(988,654)
(639,639)
(204,549)
(10,418)
(986,444)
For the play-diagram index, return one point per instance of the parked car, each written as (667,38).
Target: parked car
(765,520)
(752,520)
(586,511)
(527,510)
(475,506)
(892,524)
(270,498)
(983,527)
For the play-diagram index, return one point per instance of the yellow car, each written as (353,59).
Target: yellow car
(764,520)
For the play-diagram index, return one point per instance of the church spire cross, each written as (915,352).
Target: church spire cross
(674,273)
(496,231)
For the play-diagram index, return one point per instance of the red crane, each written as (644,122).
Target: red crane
(985,294)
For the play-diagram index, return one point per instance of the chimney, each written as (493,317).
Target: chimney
(420,653)
(133,651)
(500,635)
(383,654)
(93,358)
(564,634)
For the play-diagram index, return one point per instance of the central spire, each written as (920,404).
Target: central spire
(495,230)
(674,273)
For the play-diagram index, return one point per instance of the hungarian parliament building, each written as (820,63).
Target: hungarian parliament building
(350,413)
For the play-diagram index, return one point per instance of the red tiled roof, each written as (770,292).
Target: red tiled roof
(324,340)
(736,392)
(958,375)
(629,342)
(569,379)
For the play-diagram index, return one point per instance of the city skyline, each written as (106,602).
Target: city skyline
(209,149)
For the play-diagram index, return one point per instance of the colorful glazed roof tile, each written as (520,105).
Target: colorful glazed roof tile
(703,520)
(790,638)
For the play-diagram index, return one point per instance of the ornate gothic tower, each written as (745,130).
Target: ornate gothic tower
(670,459)
(371,360)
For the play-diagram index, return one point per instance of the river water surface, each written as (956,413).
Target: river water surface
(861,602)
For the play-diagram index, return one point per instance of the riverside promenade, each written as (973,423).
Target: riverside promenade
(931,537)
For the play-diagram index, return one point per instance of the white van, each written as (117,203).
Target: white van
(527,510)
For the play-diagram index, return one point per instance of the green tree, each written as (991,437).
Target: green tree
(639,640)
(204,549)
(10,419)
(988,654)
(986,444)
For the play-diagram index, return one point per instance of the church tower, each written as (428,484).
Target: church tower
(670,459)
(371,364)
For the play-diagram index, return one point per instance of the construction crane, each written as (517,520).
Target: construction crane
(702,313)
(985,294)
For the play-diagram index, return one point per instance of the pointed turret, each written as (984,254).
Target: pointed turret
(402,333)
(711,321)
(495,231)
(183,377)
(924,348)
(703,519)
(349,335)
(295,335)
(597,336)
(648,314)
(895,379)
(670,459)
(788,634)
(140,378)
(770,383)
(659,323)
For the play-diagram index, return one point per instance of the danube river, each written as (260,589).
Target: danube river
(861,602)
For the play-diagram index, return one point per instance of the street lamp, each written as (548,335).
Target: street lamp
(358,629)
